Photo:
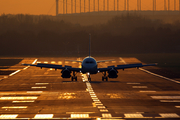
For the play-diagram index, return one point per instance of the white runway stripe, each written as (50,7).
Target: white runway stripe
(34,61)
(133,115)
(18,98)
(165,97)
(169,115)
(14,72)
(43,116)
(8,116)
(159,75)
(38,87)
(79,115)
(104,110)
(106,115)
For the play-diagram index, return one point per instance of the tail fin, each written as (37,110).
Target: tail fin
(89,45)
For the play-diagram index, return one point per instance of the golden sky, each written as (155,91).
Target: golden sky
(47,7)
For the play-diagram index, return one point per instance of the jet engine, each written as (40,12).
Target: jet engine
(66,73)
(112,73)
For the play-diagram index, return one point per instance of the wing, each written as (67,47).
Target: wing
(104,61)
(42,65)
(124,66)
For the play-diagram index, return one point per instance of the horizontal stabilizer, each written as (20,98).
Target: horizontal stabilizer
(104,61)
(73,60)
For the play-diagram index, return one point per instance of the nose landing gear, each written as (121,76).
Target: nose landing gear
(104,77)
(89,77)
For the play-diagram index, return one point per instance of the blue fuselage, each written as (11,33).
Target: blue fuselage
(89,65)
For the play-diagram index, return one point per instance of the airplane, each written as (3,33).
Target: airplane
(89,65)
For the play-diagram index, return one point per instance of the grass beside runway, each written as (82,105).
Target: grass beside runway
(6,63)
(164,60)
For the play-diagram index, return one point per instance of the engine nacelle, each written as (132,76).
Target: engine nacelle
(66,73)
(112,73)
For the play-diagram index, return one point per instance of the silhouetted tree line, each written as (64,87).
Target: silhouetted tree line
(46,35)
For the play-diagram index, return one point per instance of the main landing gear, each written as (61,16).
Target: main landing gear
(74,77)
(104,77)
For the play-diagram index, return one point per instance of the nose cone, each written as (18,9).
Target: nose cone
(89,65)
(91,68)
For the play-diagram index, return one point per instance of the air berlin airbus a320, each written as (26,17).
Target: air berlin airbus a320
(89,66)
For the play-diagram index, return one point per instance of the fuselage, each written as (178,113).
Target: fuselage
(89,65)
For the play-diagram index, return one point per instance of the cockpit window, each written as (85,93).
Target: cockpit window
(89,62)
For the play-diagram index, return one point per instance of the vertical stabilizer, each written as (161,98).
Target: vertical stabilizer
(89,45)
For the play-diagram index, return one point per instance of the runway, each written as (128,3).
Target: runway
(35,93)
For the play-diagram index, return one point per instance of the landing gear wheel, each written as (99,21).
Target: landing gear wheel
(89,79)
(106,78)
(72,78)
(102,78)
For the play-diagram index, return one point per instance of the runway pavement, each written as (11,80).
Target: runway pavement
(35,93)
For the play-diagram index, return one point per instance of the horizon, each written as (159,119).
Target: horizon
(48,7)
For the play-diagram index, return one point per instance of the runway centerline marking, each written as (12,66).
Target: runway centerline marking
(96,102)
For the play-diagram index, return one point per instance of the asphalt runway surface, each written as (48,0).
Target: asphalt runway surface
(35,93)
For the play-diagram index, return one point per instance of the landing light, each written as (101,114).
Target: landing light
(98,71)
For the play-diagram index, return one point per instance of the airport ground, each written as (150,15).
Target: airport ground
(34,93)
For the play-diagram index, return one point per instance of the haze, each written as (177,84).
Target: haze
(47,7)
